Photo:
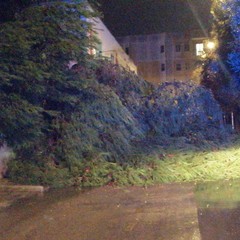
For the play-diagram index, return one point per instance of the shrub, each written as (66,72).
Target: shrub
(57,120)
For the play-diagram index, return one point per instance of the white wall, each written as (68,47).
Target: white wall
(110,46)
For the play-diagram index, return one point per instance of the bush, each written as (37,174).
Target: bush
(57,120)
(172,109)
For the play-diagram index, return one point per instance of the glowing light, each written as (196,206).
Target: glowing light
(211,45)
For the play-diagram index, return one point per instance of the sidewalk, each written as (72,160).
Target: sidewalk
(10,193)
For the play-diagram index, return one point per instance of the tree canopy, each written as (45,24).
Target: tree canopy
(221,72)
(35,88)
(59,121)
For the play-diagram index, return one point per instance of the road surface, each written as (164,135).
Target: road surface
(164,212)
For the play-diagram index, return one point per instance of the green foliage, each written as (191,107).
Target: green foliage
(28,173)
(171,109)
(218,72)
(83,126)
(221,29)
(186,165)
(36,87)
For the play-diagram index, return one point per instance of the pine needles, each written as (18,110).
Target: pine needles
(181,166)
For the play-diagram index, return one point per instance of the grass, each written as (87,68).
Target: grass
(172,166)
(176,166)
(188,164)
(201,166)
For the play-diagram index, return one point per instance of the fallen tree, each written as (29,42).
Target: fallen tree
(57,119)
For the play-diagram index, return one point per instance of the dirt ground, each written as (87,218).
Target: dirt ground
(164,212)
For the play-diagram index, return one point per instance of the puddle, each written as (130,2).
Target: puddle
(218,206)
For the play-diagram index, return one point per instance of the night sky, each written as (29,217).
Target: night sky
(129,17)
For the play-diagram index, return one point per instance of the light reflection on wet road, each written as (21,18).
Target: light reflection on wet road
(219,210)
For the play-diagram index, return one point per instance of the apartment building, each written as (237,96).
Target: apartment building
(110,48)
(166,56)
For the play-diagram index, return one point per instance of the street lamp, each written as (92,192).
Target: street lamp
(211,45)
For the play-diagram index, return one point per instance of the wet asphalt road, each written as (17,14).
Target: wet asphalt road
(165,212)
(208,211)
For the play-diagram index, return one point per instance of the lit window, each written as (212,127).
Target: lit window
(162,67)
(178,48)
(162,49)
(178,67)
(199,49)
(92,51)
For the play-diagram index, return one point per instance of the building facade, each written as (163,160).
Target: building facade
(110,48)
(166,56)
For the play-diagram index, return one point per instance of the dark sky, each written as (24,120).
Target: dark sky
(128,17)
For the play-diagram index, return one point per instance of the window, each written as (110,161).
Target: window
(199,49)
(127,50)
(112,58)
(187,66)
(178,48)
(162,50)
(92,51)
(186,47)
(178,67)
(162,67)
(99,53)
